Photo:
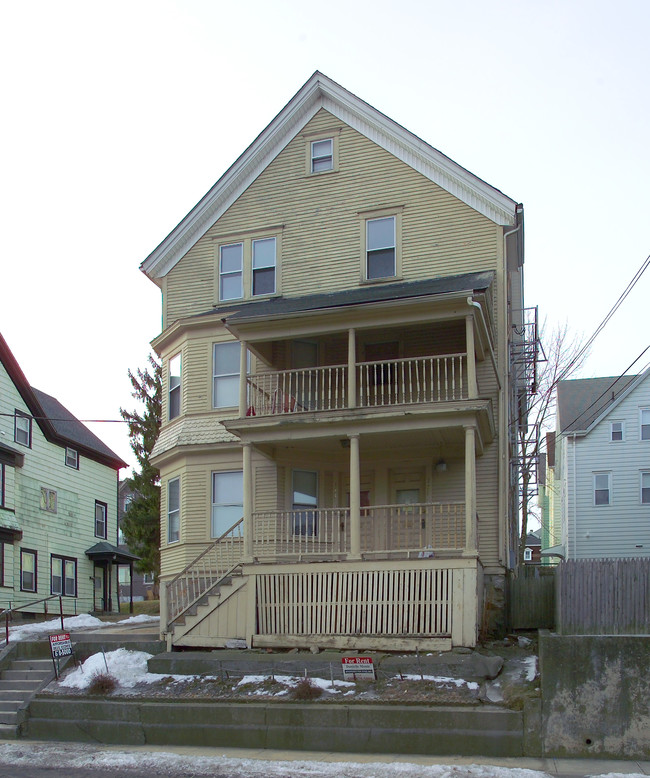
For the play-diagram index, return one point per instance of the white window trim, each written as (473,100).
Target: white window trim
(607,473)
(528,555)
(316,157)
(214,504)
(223,274)
(70,460)
(177,387)
(611,431)
(216,376)
(176,519)
(641,474)
(369,216)
(247,240)
(641,425)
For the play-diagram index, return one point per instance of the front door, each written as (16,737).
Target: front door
(408,518)
(99,589)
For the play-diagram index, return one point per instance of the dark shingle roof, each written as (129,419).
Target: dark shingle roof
(70,428)
(581,401)
(278,306)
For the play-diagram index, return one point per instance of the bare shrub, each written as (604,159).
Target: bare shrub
(306,690)
(102,683)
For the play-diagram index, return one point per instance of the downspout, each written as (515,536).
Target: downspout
(476,305)
(504,488)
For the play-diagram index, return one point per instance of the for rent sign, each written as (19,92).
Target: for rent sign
(358,667)
(60,645)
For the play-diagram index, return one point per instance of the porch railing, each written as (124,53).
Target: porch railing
(422,529)
(411,381)
(383,383)
(212,565)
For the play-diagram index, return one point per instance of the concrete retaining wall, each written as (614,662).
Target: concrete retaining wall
(486,731)
(595,695)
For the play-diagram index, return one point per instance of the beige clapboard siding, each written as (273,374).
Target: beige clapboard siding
(321,235)
(266,492)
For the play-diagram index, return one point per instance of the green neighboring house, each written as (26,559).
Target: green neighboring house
(58,503)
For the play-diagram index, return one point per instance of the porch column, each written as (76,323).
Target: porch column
(248,502)
(352,369)
(355,498)
(243,362)
(470,492)
(472,386)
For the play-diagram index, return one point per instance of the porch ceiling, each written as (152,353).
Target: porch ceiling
(378,429)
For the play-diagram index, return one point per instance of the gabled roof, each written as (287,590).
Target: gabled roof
(321,92)
(582,403)
(56,422)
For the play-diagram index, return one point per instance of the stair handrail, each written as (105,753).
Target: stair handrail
(8,611)
(205,584)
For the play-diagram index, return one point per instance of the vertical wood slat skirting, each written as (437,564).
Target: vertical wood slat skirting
(367,602)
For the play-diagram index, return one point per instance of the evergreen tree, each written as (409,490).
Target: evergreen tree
(141,522)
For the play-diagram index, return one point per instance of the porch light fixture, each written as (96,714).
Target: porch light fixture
(441,466)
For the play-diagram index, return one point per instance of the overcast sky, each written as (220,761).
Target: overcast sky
(118,116)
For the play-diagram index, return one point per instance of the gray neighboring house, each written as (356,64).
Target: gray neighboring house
(601,488)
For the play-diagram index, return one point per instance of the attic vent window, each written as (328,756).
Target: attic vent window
(322,155)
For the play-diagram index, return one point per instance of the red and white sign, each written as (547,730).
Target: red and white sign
(60,645)
(358,667)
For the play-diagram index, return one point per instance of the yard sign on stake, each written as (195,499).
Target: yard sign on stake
(358,666)
(60,645)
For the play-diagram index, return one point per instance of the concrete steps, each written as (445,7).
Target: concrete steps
(19,682)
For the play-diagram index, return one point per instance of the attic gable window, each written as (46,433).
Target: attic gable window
(264,266)
(322,155)
(616,431)
(72,458)
(231,272)
(645,424)
(380,248)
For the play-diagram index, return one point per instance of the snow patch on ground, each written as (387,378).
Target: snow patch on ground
(127,667)
(530,665)
(291,681)
(82,755)
(73,623)
(441,679)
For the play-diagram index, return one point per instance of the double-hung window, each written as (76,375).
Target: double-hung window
(174,510)
(64,576)
(22,428)
(101,514)
(28,582)
(227,500)
(645,423)
(2,484)
(616,431)
(174,386)
(602,488)
(263,266)
(72,458)
(380,248)
(645,488)
(231,271)
(322,155)
(225,374)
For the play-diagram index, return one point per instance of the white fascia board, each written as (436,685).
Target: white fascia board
(321,92)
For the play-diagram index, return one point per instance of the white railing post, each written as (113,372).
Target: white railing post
(243,362)
(470,492)
(352,369)
(472,387)
(248,502)
(355,498)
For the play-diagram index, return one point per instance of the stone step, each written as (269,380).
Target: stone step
(31,664)
(8,706)
(25,675)
(9,717)
(25,686)
(8,732)
(11,694)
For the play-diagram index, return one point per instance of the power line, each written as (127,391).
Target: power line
(83,421)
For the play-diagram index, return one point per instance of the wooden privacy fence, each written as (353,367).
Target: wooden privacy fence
(532,598)
(603,597)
